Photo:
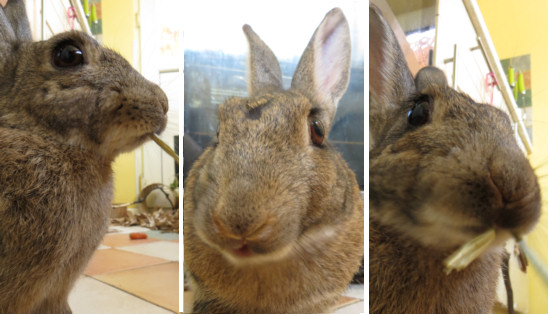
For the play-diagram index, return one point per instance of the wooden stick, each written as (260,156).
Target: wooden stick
(165,147)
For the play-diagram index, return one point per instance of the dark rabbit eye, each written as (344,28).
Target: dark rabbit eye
(419,114)
(317,132)
(68,55)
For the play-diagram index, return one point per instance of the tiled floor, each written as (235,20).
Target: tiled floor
(355,300)
(130,276)
(141,276)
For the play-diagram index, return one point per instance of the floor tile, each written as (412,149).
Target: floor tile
(345,301)
(124,229)
(90,296)
(162,235)
(157,284)
(111,260)
(355,291)
(123,239)
(355,308)
(160,249)
(187,302)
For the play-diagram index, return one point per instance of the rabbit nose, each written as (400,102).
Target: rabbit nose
(162,98)
(222,229)
(239,234)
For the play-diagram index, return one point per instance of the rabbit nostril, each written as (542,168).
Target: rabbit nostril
(496,193)
(222,230)
(164,105)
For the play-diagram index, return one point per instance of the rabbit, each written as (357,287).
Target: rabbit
(273,215)
(442,170)
(68,107)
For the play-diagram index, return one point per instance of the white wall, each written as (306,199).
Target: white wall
(161,60)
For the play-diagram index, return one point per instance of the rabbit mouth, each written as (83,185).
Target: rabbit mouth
(246,255)
(243,251)
(162,126)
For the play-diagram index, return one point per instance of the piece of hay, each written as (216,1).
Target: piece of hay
(471,250)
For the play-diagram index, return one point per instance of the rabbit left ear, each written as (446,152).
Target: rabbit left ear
(324,68)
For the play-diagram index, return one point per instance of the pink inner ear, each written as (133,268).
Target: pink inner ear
(330,59)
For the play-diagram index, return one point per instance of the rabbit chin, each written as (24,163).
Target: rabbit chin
(309,244)
(110,147)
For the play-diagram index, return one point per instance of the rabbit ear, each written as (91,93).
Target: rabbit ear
(265,72)
(429,75)
(6,31)
(17,16)
(323,71)
(390,81)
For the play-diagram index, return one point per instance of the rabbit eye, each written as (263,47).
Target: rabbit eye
(317,132)
(68,55)
(419,114)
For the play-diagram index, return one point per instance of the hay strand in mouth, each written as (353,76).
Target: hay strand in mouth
(165,147)
(468,252)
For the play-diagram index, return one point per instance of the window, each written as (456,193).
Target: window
(215,67)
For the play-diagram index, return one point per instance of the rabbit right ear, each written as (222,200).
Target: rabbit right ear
(429,75)
(6,32)
(16,14)
(264,69)
(14,23)
(390,81)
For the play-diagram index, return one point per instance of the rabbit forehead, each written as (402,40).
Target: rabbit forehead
(75,36)
(278,114)
(450,106)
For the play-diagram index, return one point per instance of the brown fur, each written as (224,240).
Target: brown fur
(264,183)
(60,129)
(435,186)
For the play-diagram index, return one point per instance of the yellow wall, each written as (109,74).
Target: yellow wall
(118,34)
(518,28)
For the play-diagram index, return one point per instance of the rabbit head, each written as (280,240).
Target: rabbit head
(67,108)
(443,168)
(270,206)
(270,175)
(78,92)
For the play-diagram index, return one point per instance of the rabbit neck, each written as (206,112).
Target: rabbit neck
(59,192)
(408,277)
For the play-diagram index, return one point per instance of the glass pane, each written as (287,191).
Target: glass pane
(214,73)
